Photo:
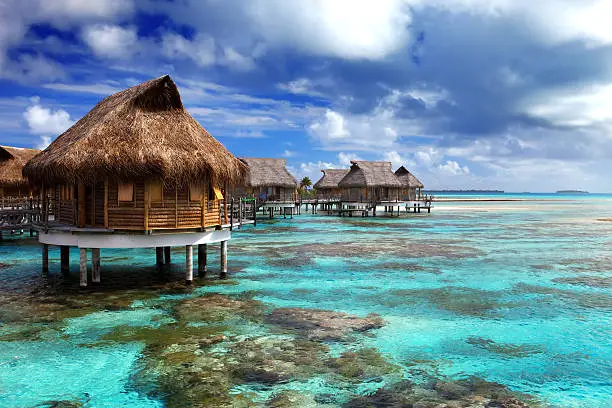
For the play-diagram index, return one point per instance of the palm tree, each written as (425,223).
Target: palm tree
(305,183)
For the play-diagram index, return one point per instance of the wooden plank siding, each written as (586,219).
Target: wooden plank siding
(175,211)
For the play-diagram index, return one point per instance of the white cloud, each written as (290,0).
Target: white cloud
(234,59)
(251,134)
(204,51)
(550,21)
(453,168)
(340,28)
(380,129)
(44,121)
(288,153)
(200,50)
(98,89)
(60,10)
(44,142)
(313,169)
(572,106)
(111,41)
(32,68)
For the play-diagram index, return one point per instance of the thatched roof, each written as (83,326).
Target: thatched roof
(331,178)
(407,178)
(12,160)
(140,133)
(370,174)
(268,172)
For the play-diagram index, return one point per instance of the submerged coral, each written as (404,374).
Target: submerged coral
(322,324)
(509,350)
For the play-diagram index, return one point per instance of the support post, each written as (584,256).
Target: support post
(159,256)
(167,256)
(188,264)
(83,267)
(254,212)
(64,258)
(202,260)
(223,272)
(231,214)
(95,265)
(45,258)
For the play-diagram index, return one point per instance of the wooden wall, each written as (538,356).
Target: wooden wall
(175,211)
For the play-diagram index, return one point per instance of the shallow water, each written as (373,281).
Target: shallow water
(516,293)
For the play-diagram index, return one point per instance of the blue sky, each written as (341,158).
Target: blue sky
(503,94)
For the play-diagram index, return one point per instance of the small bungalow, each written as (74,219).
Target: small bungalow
(327,187)
(136,171)
(412,186)
(269,181)
(12,182)
(370,181)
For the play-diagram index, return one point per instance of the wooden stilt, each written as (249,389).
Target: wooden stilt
(45,258)
(95,265)
(159,256)
(167,256)
(64,258)
(83,267)
(188,264)
(223,272)
(202,259)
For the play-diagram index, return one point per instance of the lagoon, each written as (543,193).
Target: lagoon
(515,293)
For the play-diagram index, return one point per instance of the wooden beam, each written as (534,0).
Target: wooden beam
(83,267)
(223,259)
(225,204)
(147,204)
(176,207)
(106,203)
(95,265)
(81,203)
(202,259)
(203,204)
(188,264)
(93,205)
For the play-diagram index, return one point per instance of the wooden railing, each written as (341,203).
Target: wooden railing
(19,212)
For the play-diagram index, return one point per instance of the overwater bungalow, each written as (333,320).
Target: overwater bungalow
(369,184)
(137,171)
(327,187)
(412,186)
(269,181)
(12,183)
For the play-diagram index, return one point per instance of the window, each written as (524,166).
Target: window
(218,194)
(126,192)
(156,191)
(195,192)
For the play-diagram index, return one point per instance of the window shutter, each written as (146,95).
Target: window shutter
(126,192)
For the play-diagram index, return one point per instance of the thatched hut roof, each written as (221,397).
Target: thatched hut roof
(140,133)
(407,178)
(370,174)
(12,160)
(268,172)
(331,178)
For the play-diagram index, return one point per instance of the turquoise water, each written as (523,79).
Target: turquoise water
(516,293)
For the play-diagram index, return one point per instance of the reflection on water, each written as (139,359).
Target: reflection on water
(504,306)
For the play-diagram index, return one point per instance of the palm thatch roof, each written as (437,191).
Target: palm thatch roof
(370,174)
(12,160)
(331,178)
(407,178)
(268,172)
(140,133)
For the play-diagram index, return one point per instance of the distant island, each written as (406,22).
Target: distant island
(466,191)
(572,192)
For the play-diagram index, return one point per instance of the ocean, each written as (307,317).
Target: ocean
(474,302)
